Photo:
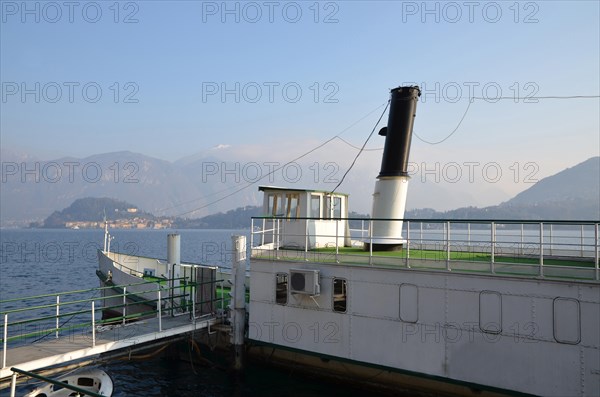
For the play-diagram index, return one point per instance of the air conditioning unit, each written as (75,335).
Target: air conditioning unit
(305,281)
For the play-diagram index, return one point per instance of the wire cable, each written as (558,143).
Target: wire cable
(284,165)
(453,132)
(537,97)
(362,148)
(338,136)
(493,100)
(358,147)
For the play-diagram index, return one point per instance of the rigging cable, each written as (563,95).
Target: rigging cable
(494,100)
(284,165)
(362,148)
(453,132)
(358,147)
(337,136)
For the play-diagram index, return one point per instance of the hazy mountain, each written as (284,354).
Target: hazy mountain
(94,210)
(221,178)
(572,194)
(11,155)
(32,190)
(580,183)
(238,218)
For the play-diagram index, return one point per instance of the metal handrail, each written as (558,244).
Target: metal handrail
(498,239)
(72,292)
(192,285)
(438,220)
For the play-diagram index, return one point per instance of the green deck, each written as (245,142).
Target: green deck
(473,262)
(460,256)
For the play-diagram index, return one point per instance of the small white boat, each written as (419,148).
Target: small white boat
(93,380)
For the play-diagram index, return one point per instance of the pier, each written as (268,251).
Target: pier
(58,329)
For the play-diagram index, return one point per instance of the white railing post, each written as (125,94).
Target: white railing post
(124,304)
(222,298)
(447,230)
(408,244)
(541,249)
(597,251)
(57,313)
(273,223)
(370,241)
(522,236)
(581,241)
(469,234)
(421,236)
(13,385)
(493,246)
(306,240)
(93,324)
(278,236)
(251,233)
(337,251)
(550,239)
(4,342)
(193,293)
(159,311)
(262,234)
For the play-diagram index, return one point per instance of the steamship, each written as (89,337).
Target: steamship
(455,307)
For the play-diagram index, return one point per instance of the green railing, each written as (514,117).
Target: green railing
(47,316)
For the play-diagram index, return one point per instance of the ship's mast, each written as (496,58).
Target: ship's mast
(106,236)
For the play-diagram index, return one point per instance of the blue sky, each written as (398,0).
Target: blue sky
(173,56)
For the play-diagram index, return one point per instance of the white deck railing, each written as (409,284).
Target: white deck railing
(532,248)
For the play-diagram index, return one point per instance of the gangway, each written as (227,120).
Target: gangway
(34,338)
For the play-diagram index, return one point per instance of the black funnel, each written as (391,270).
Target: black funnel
(398,133)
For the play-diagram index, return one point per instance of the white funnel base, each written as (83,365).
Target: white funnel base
(389,202)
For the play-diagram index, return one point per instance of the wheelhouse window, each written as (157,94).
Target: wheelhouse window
(333,207)
(340,297)
(281,288)
(292,208)
(315,206)
(273,204)
(337,207)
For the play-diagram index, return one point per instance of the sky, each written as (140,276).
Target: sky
(274,79)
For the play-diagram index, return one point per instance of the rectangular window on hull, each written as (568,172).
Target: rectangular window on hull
(340,297)
(281,288)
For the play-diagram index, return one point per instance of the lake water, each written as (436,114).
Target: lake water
(34,262)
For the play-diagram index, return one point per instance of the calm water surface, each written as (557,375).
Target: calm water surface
(36,262)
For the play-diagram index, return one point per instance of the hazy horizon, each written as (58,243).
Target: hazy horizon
(508,97)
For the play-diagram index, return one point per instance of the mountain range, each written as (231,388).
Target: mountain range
(572,194)
(208,183)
